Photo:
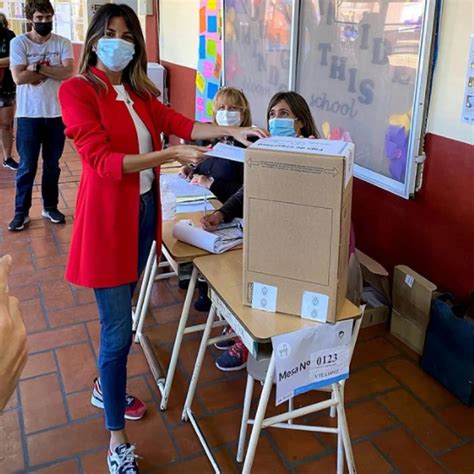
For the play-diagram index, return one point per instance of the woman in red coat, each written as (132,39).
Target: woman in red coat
(112,112)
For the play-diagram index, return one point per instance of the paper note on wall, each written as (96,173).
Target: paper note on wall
(211,48)
(207,69)
(211,4)
(202,20)
(468,98)
(200,82)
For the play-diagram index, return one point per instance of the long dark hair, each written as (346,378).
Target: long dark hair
(300,109)
(135,73)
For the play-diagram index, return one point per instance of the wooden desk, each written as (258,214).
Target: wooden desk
(224,276)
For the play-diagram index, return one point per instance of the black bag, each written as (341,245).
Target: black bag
(448,354)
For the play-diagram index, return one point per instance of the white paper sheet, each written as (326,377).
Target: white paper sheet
(227,152)
(183,188)
(193,206)
(214,242)
(311,358)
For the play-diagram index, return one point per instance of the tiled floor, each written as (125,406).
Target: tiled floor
(399,418)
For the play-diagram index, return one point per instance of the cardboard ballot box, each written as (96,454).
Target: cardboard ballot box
(412,295)
(297,213)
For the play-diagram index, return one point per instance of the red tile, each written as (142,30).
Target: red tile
(33,316)
(26,293)
(186,440)
(52,339)
(419,420)
(95,463)
(294,445)
(138,387)
(85,295)
(161,295)
(56,295)
(405,454)
(152,440)
(11,452)
(460,418)
(366,418)
(39,364)
(371,332)
(420,383)
(369,461)
(43,247)
(266,459)
(199,465)
(79,404)
(68,467)
(460,460)
(67,441)
(51,261)
(137,364)
(73,314)
(221,428)
(42,403)
(326,464)
(373,350)
(78,367)
(368,382)
(93,328)
(224,394)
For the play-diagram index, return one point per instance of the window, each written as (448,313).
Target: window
(363,66)
(69,18)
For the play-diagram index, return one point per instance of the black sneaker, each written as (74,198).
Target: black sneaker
(54,216)
(10,163)
(122,460)
(203,303)
(18,223)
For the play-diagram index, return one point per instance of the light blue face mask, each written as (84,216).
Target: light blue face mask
(115,53)
(282,127)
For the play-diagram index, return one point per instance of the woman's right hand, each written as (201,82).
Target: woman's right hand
(211,221)
(185,172)
(189,154)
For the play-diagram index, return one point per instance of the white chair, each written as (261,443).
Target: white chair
(259,370)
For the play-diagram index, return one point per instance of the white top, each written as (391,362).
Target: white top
(39,100)
(145,143)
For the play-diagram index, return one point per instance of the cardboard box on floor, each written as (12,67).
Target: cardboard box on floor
(297,212)
(411,298)
(375,292)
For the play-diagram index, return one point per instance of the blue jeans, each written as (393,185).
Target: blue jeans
(115,314)
(32,135)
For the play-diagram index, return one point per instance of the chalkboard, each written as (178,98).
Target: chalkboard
(363,67)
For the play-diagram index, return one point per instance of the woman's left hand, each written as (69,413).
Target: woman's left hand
(241,133)
(203,181)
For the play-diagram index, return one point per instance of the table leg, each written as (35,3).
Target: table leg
(198,363)
(179,338)
(344,429)
(245,417)
(262,407)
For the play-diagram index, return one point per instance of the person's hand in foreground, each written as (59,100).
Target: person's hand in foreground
(13,349)
(211,221)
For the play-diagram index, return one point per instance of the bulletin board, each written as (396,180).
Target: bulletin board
(209,69)
(363,67)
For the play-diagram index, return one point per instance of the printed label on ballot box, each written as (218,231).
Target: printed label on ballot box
(311,358)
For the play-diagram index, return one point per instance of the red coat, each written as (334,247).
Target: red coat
(104,246)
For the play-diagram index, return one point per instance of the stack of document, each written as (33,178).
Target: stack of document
(189,197)
(224,238)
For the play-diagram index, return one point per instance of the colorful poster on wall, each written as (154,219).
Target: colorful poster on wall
(209,68)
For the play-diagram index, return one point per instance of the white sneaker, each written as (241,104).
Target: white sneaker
(122,460)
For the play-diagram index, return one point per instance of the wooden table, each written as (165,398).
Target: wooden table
(256,328)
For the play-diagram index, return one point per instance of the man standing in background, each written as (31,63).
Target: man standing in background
(7,95)
(39,61)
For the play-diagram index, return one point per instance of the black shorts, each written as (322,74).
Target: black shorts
(7,100)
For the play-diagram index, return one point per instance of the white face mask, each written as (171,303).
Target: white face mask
(115,53)
(227,118)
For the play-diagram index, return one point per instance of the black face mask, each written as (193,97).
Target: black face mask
(43,28)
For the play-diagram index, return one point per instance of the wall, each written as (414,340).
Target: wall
(434,233)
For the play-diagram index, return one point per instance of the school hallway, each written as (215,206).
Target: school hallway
(400,419)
